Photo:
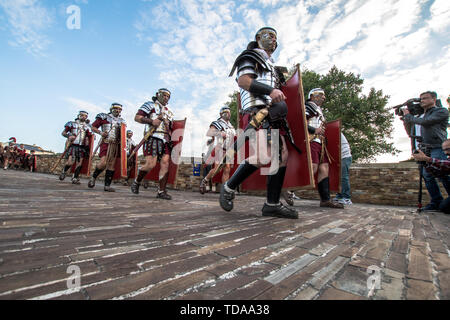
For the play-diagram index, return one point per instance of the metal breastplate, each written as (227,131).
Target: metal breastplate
(317,121)
(112,128)
(229,131)
(161,132)
(130,145)
(268,77)
(80,131)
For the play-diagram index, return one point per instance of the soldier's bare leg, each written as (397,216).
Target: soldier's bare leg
(163,177)
(101,165)
(150,163)
(69,164)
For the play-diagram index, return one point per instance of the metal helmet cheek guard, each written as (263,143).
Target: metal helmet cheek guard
(265,40)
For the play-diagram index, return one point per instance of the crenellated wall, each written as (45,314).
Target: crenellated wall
(386,184)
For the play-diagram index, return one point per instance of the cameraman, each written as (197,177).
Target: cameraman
(437,168)
(434,133)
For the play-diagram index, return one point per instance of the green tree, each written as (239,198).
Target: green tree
(366,123)
(232,104)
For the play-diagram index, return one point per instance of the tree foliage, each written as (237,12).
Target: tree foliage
(366,123)
(232,104)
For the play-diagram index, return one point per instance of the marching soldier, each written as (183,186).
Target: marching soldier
(20,157)
(260,93)
(131,164)
(223,131)
(10,153)
(77,133)
(110,125)
(319,152)
(2,154)
(158,120)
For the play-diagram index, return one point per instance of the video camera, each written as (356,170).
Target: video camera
(413,106)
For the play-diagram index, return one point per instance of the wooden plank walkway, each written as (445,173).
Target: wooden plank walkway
(129,246)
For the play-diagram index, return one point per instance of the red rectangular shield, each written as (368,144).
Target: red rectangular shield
(177,140)
(299,173)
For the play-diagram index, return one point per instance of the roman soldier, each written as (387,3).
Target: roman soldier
(78,133)
(319,152)
(158,120)
(31,161)
(10,153)
(20,157)
(110,125)
(223,132)
(2,154)
(131,164)
(261,97)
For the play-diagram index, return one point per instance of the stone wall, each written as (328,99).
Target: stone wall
(386,184)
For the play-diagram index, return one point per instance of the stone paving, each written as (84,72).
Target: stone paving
(129,246)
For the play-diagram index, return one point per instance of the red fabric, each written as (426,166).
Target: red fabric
(98,122)
(299,167)
(103,149)
(143,113)
(316,151)
(148,148)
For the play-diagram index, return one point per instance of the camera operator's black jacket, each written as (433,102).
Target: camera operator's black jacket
(434,125)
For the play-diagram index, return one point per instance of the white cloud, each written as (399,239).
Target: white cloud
(440,16)
(28,20)
(388,42)
(198,51)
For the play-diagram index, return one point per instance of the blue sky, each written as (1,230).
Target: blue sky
(126,50)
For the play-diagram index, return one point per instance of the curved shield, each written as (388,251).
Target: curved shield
(177,143)
(299,173)
(333,140)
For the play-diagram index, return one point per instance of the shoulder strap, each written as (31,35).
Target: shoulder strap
(252,55)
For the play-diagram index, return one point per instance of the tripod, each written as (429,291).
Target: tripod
(419,201)
(419,139)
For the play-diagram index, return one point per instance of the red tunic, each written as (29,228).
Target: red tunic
(104,146)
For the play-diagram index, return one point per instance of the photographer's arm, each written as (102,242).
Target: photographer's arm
(438,116)
(443,166)
(420,156)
